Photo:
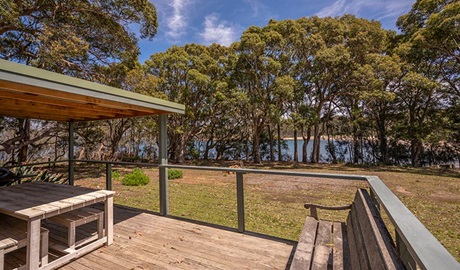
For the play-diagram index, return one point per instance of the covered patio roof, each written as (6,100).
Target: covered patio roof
(28,92)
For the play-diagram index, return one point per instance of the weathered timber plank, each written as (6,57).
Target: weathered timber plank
(304,250)
(139,238)
(322,256)
(200,249)
(377,240)
(359,256)
(341,250)
(219,237)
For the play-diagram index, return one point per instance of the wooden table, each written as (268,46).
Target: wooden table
(38,200)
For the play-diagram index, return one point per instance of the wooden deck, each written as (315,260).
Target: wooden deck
(145,240)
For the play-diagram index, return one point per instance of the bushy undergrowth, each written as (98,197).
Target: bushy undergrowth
(136,178)
(116,175)
(175,174)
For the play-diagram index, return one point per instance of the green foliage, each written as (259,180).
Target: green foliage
(75,38)
(116,175)
(136,178)
(175,174)
(31,174)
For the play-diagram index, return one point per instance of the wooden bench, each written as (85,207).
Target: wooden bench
(13,236)
(363,242)
(73,219)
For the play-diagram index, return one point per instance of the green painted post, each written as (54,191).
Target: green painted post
(71,154)
(240,201)
(163,160)
(108,176)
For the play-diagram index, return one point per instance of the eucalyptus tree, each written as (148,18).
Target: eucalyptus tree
(380,80)
(283,50)
(430,43)
(187,75)
(367,43)
(322,57)
(76,38)
(256,74)
(225,128)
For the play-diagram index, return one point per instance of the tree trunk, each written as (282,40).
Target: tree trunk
(306,141)
(296,152)
(207,148)
(24,130)
(316,144)
(270,137)
(256,148)
(280,156)
(247,150)
(416,150)
(383,144)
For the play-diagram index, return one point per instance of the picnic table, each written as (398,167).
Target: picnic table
(36,201)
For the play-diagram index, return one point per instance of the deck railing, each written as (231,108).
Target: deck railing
(417,247)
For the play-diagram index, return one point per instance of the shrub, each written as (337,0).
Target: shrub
(136,178)
(116,175)
(175,174)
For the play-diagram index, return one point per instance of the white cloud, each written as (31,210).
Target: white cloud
(381,9)
(256,7)
(218,32)
(177,21)
(335,9)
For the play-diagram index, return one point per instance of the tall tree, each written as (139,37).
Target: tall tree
(256,75)
(76,38)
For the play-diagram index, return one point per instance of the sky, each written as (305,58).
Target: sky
(223,21)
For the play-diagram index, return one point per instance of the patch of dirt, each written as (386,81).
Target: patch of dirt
(403,191)
(446,196)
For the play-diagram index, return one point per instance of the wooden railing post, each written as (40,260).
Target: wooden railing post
(108,176)
(240,201)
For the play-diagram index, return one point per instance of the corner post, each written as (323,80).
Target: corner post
(71,153)
(163,160)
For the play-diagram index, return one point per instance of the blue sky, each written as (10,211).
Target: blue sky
(223,21)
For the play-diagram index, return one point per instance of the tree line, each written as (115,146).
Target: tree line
(344,80)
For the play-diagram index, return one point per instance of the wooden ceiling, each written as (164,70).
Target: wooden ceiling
(27,92)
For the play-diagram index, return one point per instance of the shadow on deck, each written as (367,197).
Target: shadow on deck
(146,240)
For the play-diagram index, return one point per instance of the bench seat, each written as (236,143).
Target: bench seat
(73,219)
(13,236)
(362,242)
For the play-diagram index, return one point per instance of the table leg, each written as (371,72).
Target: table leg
(33,244)
(108,220)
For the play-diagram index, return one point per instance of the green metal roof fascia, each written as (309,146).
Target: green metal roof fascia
(57,79)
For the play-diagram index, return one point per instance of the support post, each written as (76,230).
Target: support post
(71,154)
(163,160)
(240,201)
(108,176)
(404,254)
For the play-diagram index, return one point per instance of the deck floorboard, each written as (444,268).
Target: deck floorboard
(145,240)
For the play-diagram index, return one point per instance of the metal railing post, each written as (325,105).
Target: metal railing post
(71,154)
(404,254)
(108,176)
(163,171)
(240,201)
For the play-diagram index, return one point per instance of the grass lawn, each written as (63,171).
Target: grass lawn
(274,204)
